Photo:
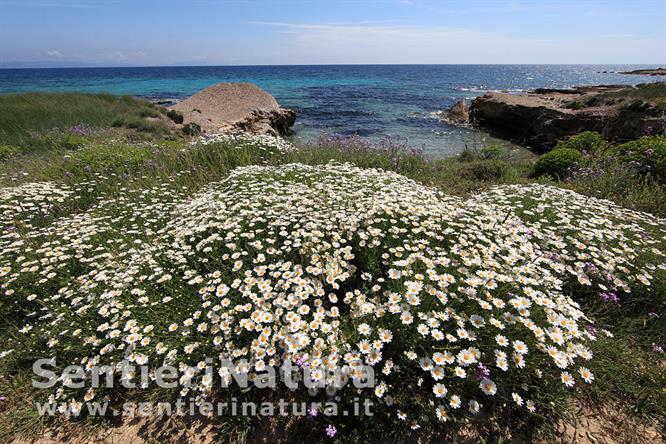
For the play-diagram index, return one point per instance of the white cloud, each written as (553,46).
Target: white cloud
(54,53)
(381,43)
(115,56)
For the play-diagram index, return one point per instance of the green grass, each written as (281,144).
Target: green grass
(27,119)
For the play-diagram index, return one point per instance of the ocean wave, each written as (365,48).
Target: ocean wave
(486,90)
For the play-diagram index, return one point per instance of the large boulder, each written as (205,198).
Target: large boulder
(228,107)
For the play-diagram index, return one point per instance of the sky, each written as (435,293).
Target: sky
(288,32)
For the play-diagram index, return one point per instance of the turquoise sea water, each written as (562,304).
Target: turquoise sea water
(368,100)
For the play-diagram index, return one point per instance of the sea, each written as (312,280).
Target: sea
(370,101)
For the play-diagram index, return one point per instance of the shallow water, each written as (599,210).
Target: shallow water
(368,100)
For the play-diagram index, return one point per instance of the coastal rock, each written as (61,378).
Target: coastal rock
(647,72)
(541,118)
(229,107)
(458,114)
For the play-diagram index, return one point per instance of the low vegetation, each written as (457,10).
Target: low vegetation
(647,97)
(39,121)
(488,299)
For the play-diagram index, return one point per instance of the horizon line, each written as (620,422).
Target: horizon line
(657,65)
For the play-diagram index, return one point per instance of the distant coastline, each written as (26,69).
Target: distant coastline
(647,72)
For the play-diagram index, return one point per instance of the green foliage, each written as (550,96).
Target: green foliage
(621,184)
(643,97)
(27,118)
(558,162)
(483,170)
(118,159)
(7,151)
(493,151)
(175,116)
(155,126)
(647,154)
(192,129)
(73,142)
(585,142)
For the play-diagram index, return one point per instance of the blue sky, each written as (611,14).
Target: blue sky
(238,32)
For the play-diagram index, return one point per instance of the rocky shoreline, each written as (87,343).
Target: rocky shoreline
(540,118)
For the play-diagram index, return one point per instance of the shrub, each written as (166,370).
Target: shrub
(109,159)
(622,184)
(484,171)
(458,305)
(192,129)
(7,151)
(558,162)
(73,142)
(585,142)
(647,154)
(141,124)
(493,151)
(175,116)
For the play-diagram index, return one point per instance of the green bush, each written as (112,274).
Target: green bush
(493,152)
(192,129)
(141,124)
(648,154)
(588,141)
(118,159)
(175,116)
(488,152)
(7,151)
(484,171)
(73,142)
(557,162)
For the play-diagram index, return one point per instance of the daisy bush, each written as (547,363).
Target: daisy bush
(459,306)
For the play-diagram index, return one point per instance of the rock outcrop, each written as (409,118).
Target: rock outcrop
(647,72)
(458,114)
(541,118)
(228,107)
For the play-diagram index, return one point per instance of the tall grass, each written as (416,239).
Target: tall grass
(27,118)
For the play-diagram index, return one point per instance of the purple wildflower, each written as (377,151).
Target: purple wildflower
(331,431)
(312,411)
(483,372)
(609,296)
(657,349)
(591,330)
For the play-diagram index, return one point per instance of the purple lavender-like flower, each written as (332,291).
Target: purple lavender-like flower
(609,296)
(300,361)
(81,129)
(331,431)
(591,330)
(483,372)
(591,267)
(312,411)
